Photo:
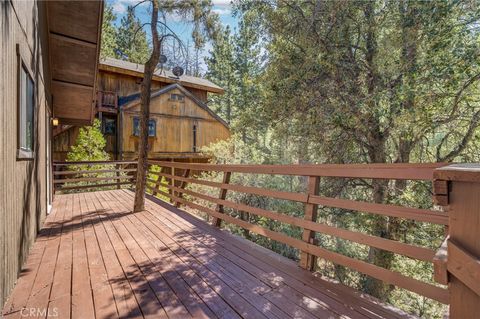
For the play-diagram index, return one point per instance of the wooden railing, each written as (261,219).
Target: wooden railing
(107,101)
(94,175)
(457,188)
(172,178)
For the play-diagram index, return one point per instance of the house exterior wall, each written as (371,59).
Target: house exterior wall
(125,85)
(174,127)
(23,183)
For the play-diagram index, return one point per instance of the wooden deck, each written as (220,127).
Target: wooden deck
(94,258)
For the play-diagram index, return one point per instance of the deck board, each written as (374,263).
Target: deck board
(97,259)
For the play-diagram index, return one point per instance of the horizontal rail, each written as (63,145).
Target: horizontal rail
(312,201)
(107,174)
(90,179)
(93,163)
(392,277)
(297,197)
(412,251)
(94,171)
(423,215)
(92,186)
(374,171)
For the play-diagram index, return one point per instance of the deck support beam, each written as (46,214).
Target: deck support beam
(307,261)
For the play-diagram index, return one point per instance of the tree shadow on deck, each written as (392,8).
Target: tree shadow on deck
(173,268)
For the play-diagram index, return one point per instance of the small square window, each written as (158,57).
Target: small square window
(152,127)
(176,97)
(26,113)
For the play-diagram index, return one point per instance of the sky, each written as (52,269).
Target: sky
(222,7)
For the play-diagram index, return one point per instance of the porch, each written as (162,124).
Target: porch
(94,258)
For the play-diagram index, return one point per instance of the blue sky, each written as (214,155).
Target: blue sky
(222,7)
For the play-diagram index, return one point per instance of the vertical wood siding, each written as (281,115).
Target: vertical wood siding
(23,194)
(174,126)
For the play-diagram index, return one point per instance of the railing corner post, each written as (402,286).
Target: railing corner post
(307,261)
(460,190)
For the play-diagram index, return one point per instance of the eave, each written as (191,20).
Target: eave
(163,79)
(74,44)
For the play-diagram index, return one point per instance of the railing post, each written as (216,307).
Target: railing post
(462,195)
(307,261)
(222,195)
(118,167)
(157,184)
(172,184)
(183,184)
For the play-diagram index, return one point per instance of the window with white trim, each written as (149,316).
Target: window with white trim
(26,113)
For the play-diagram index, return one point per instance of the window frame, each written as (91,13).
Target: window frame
(138,119)
(174,97)
(22,66)
(104,126)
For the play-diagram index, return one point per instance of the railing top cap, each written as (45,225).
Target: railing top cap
(469,172)
(377,171)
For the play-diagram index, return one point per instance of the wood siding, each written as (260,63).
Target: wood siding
(62,143)
(23,184)
(126,85)
(174,126)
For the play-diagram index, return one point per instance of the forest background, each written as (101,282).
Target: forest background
(338,82)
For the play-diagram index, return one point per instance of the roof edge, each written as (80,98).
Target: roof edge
(156,77)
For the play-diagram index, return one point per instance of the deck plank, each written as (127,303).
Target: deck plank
(157,285)
(82,299)
(103,296)
(214,302)
(94,258)
(203,261)
(28,276)
(340,297)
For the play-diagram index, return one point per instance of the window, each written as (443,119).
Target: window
(194,138)
(26,113)
(152,127)
(177,97)
(109,126)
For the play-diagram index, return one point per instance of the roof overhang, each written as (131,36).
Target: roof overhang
(165,79)
(74,44)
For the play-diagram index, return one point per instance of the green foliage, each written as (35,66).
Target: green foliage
(89,145)
(351,82)
(109,33)
(131,39)
(235,63)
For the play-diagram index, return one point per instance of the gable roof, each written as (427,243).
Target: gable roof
(134,99)
(166,76)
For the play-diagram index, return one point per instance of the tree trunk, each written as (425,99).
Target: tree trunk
(150,65)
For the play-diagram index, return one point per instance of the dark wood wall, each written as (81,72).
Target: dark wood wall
(125,85)
(23,183)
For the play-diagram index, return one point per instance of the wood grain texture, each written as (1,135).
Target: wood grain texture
(463,229)
(23,186)
(165,263)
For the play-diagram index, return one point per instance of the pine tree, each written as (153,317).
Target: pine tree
(132,41)
(221,70)
(109,33)
(89,145)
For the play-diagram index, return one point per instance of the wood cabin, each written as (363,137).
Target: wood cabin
(181,122)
